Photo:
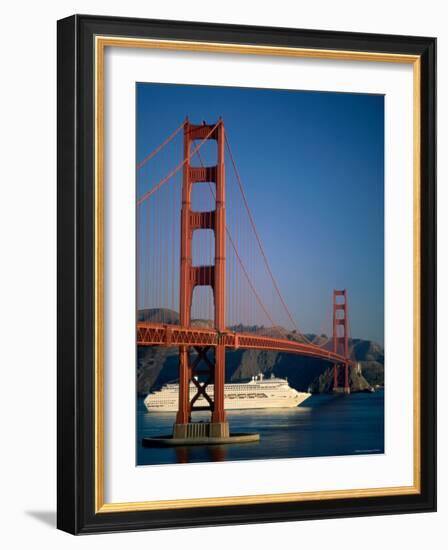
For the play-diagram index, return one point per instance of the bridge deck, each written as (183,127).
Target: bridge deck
(154,334)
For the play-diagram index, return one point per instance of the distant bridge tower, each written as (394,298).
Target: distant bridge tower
(203,366)
(340,338)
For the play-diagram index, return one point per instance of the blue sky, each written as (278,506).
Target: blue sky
(312,164)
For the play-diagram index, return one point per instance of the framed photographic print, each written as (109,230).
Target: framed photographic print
(246,274)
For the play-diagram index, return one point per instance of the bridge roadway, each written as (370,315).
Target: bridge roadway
(155,334)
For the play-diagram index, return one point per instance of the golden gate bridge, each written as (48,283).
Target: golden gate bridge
(204,282)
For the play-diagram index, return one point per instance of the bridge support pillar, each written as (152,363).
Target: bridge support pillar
(219,415)
(212,371)
(335,377)
(203,371)
(183,414)
(346,387)
(346,378)
(340,338)
(219,429)
(199,374)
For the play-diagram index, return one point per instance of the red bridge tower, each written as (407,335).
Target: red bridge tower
(340,338)
(202,370)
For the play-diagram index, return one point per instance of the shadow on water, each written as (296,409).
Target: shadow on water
(216,453)
(325,425)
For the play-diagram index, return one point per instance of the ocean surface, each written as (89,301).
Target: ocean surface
(324,425)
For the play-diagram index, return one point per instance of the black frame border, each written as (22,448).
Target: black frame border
(76,262)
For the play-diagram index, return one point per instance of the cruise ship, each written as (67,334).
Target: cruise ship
(258,393)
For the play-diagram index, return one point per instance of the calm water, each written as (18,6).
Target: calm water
(324,425)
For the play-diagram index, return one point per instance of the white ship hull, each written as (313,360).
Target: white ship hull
(273,393)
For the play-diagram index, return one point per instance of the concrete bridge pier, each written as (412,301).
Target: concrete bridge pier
(345,389)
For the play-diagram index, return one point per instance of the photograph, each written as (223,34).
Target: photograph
(259,273)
